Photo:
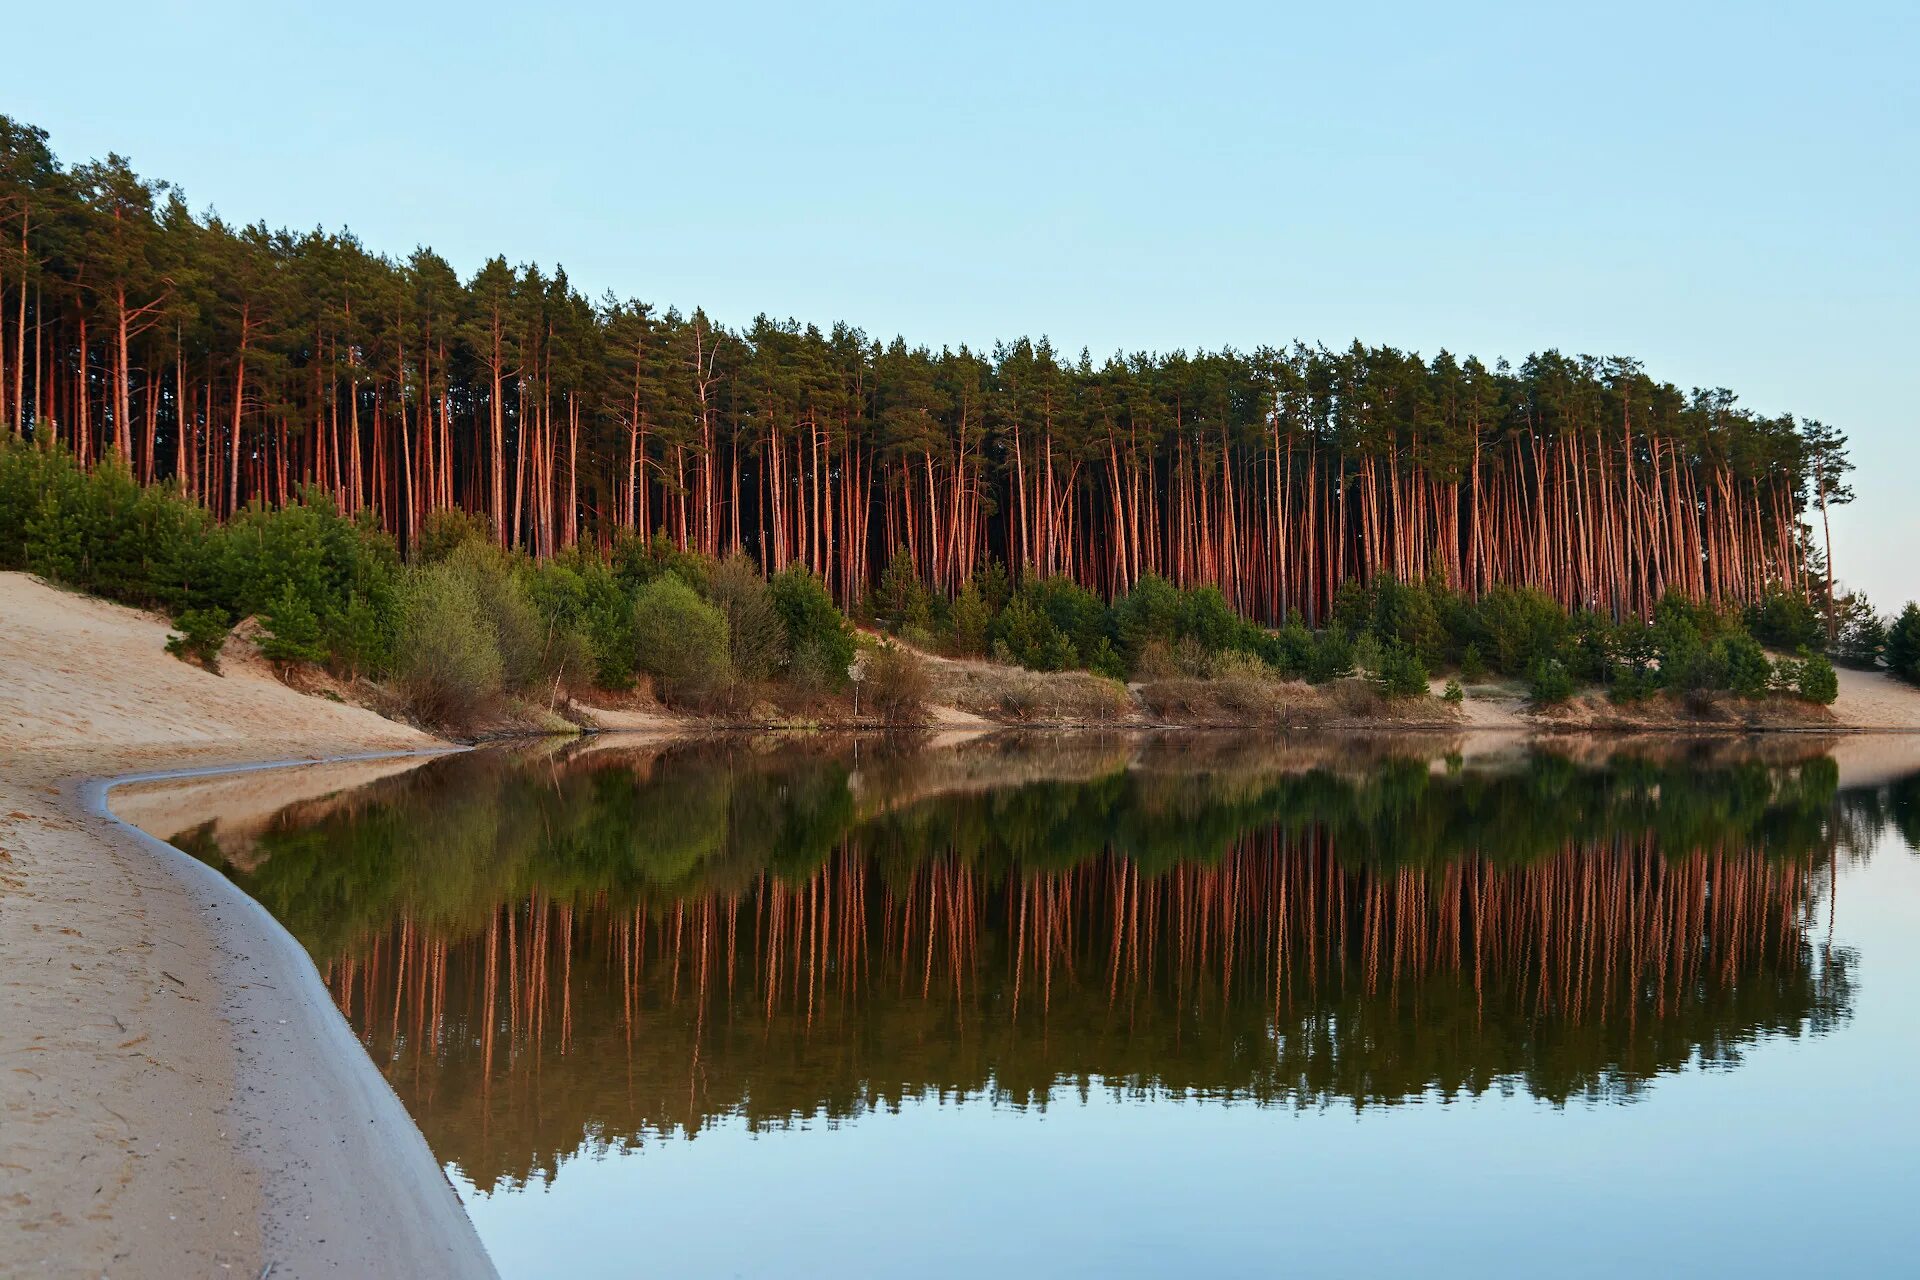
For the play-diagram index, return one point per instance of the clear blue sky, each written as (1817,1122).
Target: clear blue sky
(1729,191)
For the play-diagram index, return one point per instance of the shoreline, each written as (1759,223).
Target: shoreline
(181,1094)
(172,1074)
(348,1182)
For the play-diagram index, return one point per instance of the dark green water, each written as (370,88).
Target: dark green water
(1098,1004)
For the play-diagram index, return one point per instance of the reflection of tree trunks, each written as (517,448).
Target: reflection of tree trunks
(1327,952)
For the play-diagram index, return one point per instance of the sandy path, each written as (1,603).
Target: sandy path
(177,1093)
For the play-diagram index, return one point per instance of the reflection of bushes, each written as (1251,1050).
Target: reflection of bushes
(455,838)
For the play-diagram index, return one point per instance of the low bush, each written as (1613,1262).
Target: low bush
(1861,635)
(1903,644)
(1811,677)
(756,636)
(680,640)
(1549,683)
(897,685)
(1331,659)
(444,531)
(1236,664)
(447,666)
(900,599)
(292,629)
(201,633)
(1749,673)
(1785,620)
(819,641)
(969,623)
(1472,666)
(1401,674)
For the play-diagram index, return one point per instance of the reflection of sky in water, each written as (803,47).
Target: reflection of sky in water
(1800,1159)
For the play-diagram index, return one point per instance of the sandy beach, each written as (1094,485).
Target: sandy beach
(179,1096)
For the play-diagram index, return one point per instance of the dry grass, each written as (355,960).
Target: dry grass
(1667,712)
(1018,696)
(1232,700)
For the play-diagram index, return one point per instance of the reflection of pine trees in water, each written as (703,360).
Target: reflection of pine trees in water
(550,952)
(1280,972)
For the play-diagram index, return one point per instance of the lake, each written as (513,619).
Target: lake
(1125,1004)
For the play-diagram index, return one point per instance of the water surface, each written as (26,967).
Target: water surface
(1105,1003)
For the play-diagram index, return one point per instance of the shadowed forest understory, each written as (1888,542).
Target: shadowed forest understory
(244,365)
(597,950)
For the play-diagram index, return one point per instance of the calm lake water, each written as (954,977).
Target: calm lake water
(1103,1004)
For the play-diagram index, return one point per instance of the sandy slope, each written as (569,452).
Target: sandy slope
(1874,700)
(177,1095)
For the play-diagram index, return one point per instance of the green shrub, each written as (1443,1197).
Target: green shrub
(1207,619)
(360,638)
(1400,674)
(1749,673)
(201,634)
(1074,612)
(756,636)
(446,530)
(1588,647)
(1105,660)
(680,640)
(1031,638)
(1352,607)
(520,635)
(1453,693)
(1811,677)
(570,660)
(1523,626)
(900,599)
(638,560)
(819,641)
(446,664)
(1290,649)
(1472,666)
(293,630)
(1404,614)
(1368,653)
(969,623)
(1903,644)
(1785,620)
(1550,682)
(995,589)
(1148,613)
(323,559)
(1332,657)
(1861,636)
(27,474)
(1632,684)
